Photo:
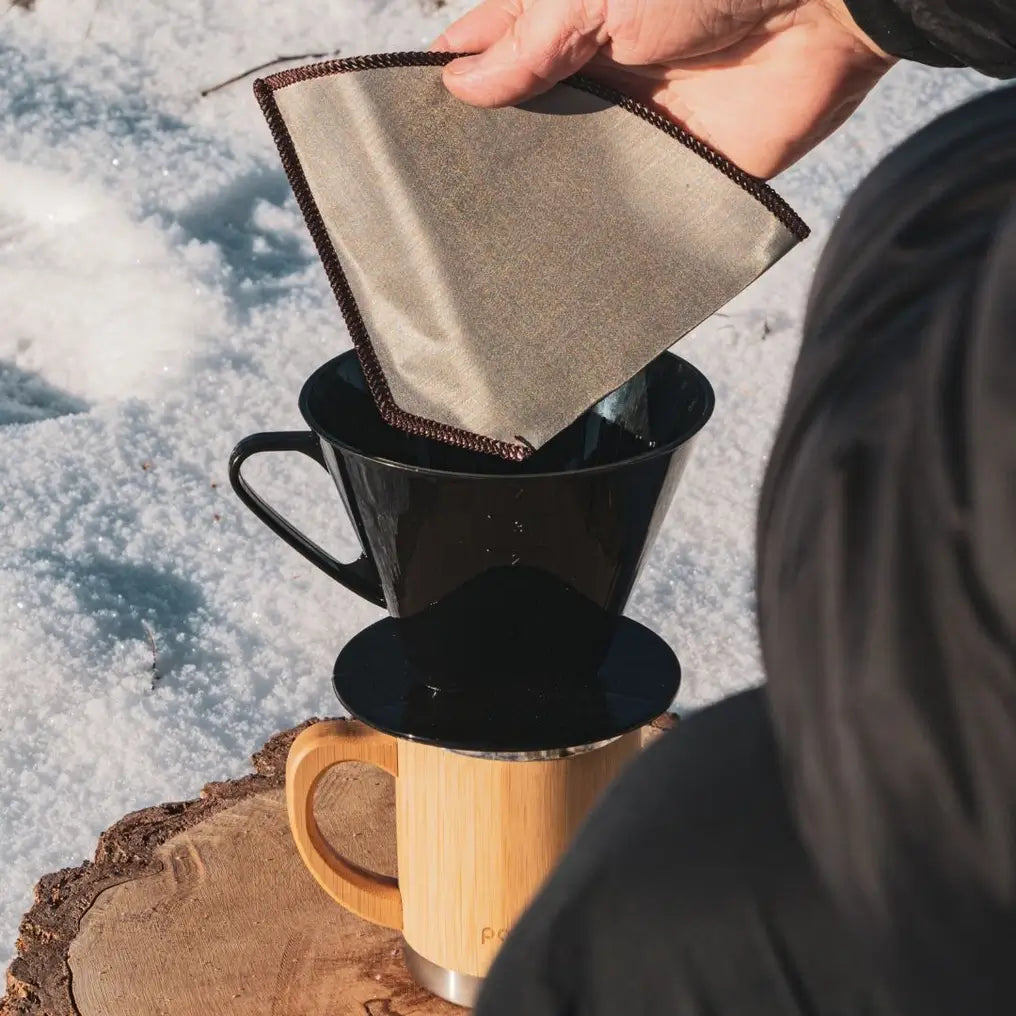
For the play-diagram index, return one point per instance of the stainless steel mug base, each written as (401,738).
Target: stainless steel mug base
(459,989)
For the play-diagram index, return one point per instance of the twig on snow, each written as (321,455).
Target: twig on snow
(25,5)
(263,67)
(91,18)
(156,675)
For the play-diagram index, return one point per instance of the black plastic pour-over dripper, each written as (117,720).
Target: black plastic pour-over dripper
(506,581)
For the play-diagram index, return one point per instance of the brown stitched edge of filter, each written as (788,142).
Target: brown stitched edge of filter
(757,188)
(264,89)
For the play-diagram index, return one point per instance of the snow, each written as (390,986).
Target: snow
(161,299)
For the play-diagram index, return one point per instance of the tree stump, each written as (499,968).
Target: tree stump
(204,907)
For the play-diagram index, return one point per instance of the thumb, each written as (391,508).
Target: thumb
(549,40)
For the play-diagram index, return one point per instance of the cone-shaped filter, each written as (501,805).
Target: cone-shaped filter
(502,270)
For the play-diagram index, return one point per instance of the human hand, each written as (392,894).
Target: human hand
(761,81)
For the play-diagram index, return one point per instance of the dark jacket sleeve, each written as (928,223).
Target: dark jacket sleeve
(945,33)
(887,564)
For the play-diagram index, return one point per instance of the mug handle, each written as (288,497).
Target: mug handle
(373,897)
(359,576)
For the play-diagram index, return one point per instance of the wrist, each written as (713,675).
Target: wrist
(841,13)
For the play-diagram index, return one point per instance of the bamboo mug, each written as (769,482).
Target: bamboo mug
(476,837)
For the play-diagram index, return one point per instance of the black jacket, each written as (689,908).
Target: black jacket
(945,33)
(887,564)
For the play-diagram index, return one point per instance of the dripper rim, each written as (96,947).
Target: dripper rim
(663,449)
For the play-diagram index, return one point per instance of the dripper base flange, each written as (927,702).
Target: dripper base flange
(377,683)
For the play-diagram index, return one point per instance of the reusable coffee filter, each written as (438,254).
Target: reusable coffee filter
(500,271)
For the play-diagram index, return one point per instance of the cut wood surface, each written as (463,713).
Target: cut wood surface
(204,907)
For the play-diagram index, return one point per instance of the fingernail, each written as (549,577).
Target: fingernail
(439,44)
(464,65)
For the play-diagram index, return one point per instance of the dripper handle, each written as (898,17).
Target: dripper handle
(373,897)
(359,576)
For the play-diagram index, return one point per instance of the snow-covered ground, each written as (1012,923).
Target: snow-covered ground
(160,299)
